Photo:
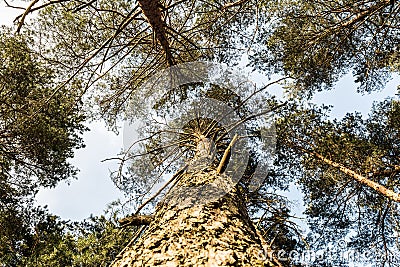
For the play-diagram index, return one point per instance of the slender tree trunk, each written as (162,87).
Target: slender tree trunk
(390,194)
(217,233)
(151,10)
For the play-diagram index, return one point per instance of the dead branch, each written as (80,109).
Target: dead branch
(161,189)
(28,9)
(226,153)
(233,4)
(16,7)
(32,9)
(136,220)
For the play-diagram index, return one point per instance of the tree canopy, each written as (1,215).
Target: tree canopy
(328,155)
(94,57)
(316,42)
(38,131)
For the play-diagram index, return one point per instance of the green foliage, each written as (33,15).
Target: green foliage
(39,128)
(338,206)
(93,242)
(45,240)
(316,42)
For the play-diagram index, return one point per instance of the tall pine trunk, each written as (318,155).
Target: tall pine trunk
(185,233)
(219,233)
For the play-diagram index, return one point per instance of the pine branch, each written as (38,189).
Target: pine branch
(226,153)
(136,220)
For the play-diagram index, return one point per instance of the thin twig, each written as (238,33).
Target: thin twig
(138,233)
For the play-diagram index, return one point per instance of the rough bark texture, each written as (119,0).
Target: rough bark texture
(196,225)
(218,233)
(151,10)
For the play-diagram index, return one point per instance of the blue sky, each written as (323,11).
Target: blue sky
(93,189)
(345,98)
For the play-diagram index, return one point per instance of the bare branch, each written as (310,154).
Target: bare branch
(32,9)
(27,11)
(161,189)
(136,220)
(226,153)
(233,4)
(16,7)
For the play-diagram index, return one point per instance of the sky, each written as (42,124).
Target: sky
(93,190)
(7,15)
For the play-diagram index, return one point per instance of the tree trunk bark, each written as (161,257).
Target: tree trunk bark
(151,10)
(202,221)
(218,233)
